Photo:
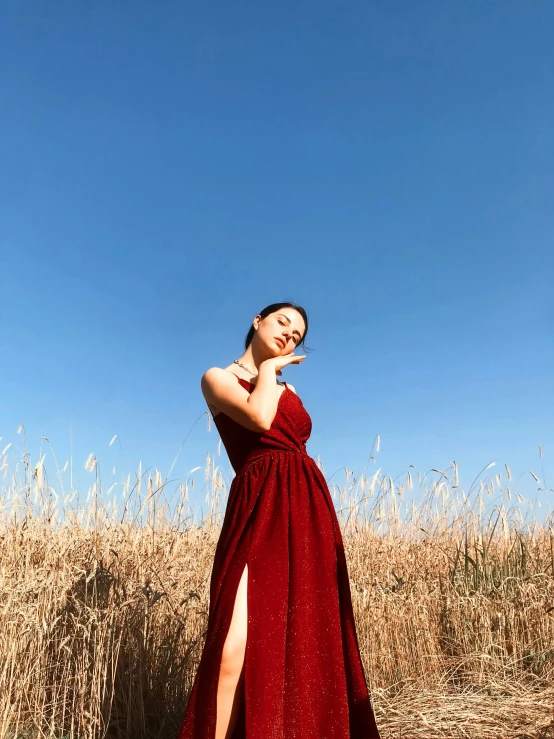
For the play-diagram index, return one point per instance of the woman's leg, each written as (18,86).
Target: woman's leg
(231,673)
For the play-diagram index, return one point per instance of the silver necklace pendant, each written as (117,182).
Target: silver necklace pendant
(245,368)
(252,373)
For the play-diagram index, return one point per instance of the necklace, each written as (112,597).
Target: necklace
(250,371)
(245,368)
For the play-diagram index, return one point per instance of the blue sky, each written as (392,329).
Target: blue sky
(168,169)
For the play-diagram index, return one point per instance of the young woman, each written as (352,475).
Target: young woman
(281,658)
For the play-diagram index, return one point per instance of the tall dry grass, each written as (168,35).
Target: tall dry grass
(103,601)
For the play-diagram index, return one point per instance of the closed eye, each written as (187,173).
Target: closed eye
(294,338)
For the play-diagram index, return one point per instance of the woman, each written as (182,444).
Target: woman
(281,658)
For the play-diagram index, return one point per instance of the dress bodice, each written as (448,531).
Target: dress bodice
(290,430)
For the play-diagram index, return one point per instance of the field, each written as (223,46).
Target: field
(103,601)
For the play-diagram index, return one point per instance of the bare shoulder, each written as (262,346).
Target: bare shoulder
(213,373)
(215,377)
(291,387)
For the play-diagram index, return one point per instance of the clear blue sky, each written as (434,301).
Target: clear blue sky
(168,169)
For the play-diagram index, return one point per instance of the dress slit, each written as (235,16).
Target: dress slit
(239,730)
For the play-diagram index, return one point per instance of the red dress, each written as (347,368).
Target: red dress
(303,675)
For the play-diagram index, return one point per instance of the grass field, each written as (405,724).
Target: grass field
(104,599)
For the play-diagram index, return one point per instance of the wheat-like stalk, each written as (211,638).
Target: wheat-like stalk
(103,605)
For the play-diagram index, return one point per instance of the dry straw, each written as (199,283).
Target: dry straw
(103,603)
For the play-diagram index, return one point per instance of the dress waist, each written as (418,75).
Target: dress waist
(257,454)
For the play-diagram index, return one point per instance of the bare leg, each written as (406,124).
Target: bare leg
(231,673)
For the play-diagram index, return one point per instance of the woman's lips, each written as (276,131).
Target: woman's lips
(281,341)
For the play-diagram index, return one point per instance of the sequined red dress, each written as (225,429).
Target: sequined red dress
(303,675)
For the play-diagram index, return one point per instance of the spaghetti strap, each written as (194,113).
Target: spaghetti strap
(251,383)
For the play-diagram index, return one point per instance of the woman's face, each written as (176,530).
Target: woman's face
(281,331)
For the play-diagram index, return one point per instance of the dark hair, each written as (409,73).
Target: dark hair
(272,309)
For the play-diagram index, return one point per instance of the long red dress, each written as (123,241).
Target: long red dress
(303,675)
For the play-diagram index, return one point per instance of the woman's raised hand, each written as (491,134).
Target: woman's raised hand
(279,362)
